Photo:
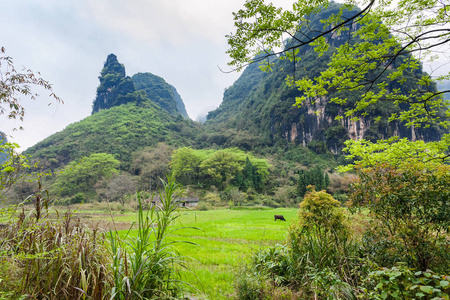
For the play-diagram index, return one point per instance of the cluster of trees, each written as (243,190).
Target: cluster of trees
(220,168)
(82,175)
(314,176)
(373,53)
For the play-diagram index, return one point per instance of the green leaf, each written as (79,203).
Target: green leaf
(444,283)
(420,295)
(427,289)
(8,169)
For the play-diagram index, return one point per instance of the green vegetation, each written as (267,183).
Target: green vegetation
(369,72)
(145,265)
(45,258)
(51,259)
(219,168)
(262,103)
(315,177)
(348,76)
(160,92)
(120,131)
(115,88)
(410,203)
(16,86)
(81,176)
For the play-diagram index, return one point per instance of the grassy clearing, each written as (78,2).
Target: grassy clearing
(225,242)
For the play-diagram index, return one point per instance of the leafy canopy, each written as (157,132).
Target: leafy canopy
(15,84)
(81,176)
(373,51)
(218,167)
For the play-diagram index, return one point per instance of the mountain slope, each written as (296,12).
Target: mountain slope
(261,104)
(119,130)
(160,92)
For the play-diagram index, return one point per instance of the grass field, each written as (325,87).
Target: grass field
(225,240)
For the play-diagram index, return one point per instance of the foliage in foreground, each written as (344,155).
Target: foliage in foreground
(43,258)
(46,258)
(410,205)
(317,262)
(322,260)
(145,266)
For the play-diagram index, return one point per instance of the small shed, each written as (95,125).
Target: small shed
(188,202)
(182,202)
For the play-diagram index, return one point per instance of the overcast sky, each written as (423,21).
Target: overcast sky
(67,41)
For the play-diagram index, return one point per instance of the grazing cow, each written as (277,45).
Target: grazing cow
(279,217)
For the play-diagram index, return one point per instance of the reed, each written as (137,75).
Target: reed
(144,262)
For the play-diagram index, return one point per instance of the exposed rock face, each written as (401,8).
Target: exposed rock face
(312,123)
(115,88)
(261,104)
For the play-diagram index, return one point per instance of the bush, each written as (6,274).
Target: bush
(51,259)
(77,198)
(401,282)
(410,204)
(251,286)
(319,261)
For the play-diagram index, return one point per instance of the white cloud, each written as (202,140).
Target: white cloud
(182,41)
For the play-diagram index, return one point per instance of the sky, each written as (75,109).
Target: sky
(67,41)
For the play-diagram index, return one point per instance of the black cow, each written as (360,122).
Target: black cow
(279,217)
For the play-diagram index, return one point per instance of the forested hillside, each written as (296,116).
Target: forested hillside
(119,130)
(116,89)
(160,92)
(261,104)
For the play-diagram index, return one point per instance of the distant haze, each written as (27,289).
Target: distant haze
(68,41)
(182,41)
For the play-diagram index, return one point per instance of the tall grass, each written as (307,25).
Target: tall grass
(145,265)
(317,261)
(41,258)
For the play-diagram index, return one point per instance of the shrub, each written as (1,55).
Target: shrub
(318,262)
(401,282)
(410,203)
(77,198)
(251,286)
(51,259)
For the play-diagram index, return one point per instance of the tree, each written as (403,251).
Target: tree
(117,188)
(81,176)
(411,203)
(151,164)
(372,50)
(16,84)
(221,168)
(315,177)
(185,165)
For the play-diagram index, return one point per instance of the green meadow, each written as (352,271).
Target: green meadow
(224,242)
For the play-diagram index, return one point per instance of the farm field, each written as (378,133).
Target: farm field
(225,240)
